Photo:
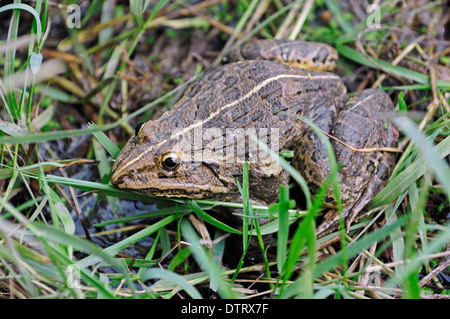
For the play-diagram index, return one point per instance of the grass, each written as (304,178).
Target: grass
(43,255)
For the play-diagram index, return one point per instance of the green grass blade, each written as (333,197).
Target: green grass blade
(305,233)
(34,168)
(211,267)
(286,166)
(351,250)
(192,279)
(394,69)
(244,190)
(12,129)
(103,189)
(34,137)
(428,151)
(333,6)
(21,6)
(401,103)
(118,247)
(413,172)
(155,213)
(156,9)
(209,219)
(440,240)
(177,280)
(283,228)
(103,290)
(137,10)
(50,233)
(181,256)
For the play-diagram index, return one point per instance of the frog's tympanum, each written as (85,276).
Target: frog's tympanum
(198,147)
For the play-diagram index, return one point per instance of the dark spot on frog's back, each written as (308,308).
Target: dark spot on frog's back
(385,170)
(277,106)
(231,94)
(273,87)
(371,167)
(231,80)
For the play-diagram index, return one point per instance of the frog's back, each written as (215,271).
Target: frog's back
(251,94)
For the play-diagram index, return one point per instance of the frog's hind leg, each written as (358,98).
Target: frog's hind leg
(362,124)
(350,212)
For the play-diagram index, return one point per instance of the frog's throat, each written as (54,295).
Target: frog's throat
(253,91)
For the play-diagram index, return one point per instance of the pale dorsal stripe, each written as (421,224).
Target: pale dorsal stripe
(253,91)
(357,104)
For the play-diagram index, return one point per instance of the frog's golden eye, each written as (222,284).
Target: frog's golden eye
(170,161)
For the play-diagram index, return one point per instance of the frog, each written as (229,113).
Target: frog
(249,107)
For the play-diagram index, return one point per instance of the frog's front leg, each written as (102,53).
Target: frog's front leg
(361,123)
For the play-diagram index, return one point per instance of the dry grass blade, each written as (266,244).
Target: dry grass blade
(385,266)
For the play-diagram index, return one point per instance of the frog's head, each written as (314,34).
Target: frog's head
(155,162)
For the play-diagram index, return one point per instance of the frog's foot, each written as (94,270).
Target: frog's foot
(301,54)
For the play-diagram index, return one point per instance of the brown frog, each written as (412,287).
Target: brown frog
(198,147)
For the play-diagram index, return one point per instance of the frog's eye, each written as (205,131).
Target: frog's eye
(170,161)
(138,128)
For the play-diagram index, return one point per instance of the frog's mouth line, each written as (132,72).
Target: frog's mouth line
(179,193)
(174,186)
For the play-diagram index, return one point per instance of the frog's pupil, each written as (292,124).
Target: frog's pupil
(170,162)
(137,129)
